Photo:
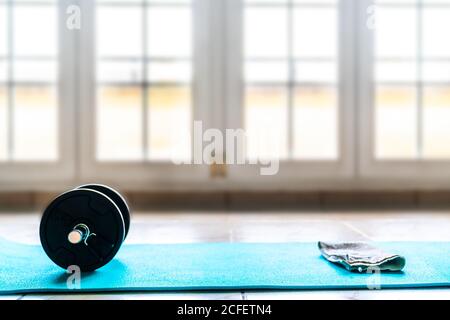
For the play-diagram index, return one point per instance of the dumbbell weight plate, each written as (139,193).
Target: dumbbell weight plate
(93,209)
(114,196)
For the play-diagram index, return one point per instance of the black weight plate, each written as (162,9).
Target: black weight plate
(89,207)
(116,197)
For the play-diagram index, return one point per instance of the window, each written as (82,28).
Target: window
(412,76)
(144,80)
(291,94)
(310,81)
(29,81)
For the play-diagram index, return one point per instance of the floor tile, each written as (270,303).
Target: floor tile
(412,229)
(291,231)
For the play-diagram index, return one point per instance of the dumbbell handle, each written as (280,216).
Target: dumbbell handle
(80,233)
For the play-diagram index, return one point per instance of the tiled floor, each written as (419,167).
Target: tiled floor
(189,227)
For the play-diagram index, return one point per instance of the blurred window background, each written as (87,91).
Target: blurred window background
(412,79)
(301,65)
(29,81)
(291,53)
(144,80)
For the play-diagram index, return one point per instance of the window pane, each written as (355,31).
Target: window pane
(162,58)
(119,123)
(119,72)
(170,123)
(317,1)
(120,1)
(34,101)
(398,1)
(3,71)
(119,31)
(35,30)
(398,119)
(437,122)
(31,1)
(396,72)
(287,46)
(396,122)
(266,122)
(35,71)
(266,72)
(316,72)
(436,71)
(169,32)
(3,124)
(35,123)
(264,39)
(315,123)
(169,72)
(315,32)
(169,1)
(266,1)
(394,39)
(436,26)
(3,30)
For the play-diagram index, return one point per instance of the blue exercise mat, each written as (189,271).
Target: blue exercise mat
(220,266)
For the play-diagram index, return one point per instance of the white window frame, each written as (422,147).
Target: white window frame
(297,174)
(143,174)
(409,173)
(218,103)
(31,174)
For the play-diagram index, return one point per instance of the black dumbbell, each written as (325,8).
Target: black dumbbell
(85,227)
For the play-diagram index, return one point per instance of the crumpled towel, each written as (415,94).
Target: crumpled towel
(361,257)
